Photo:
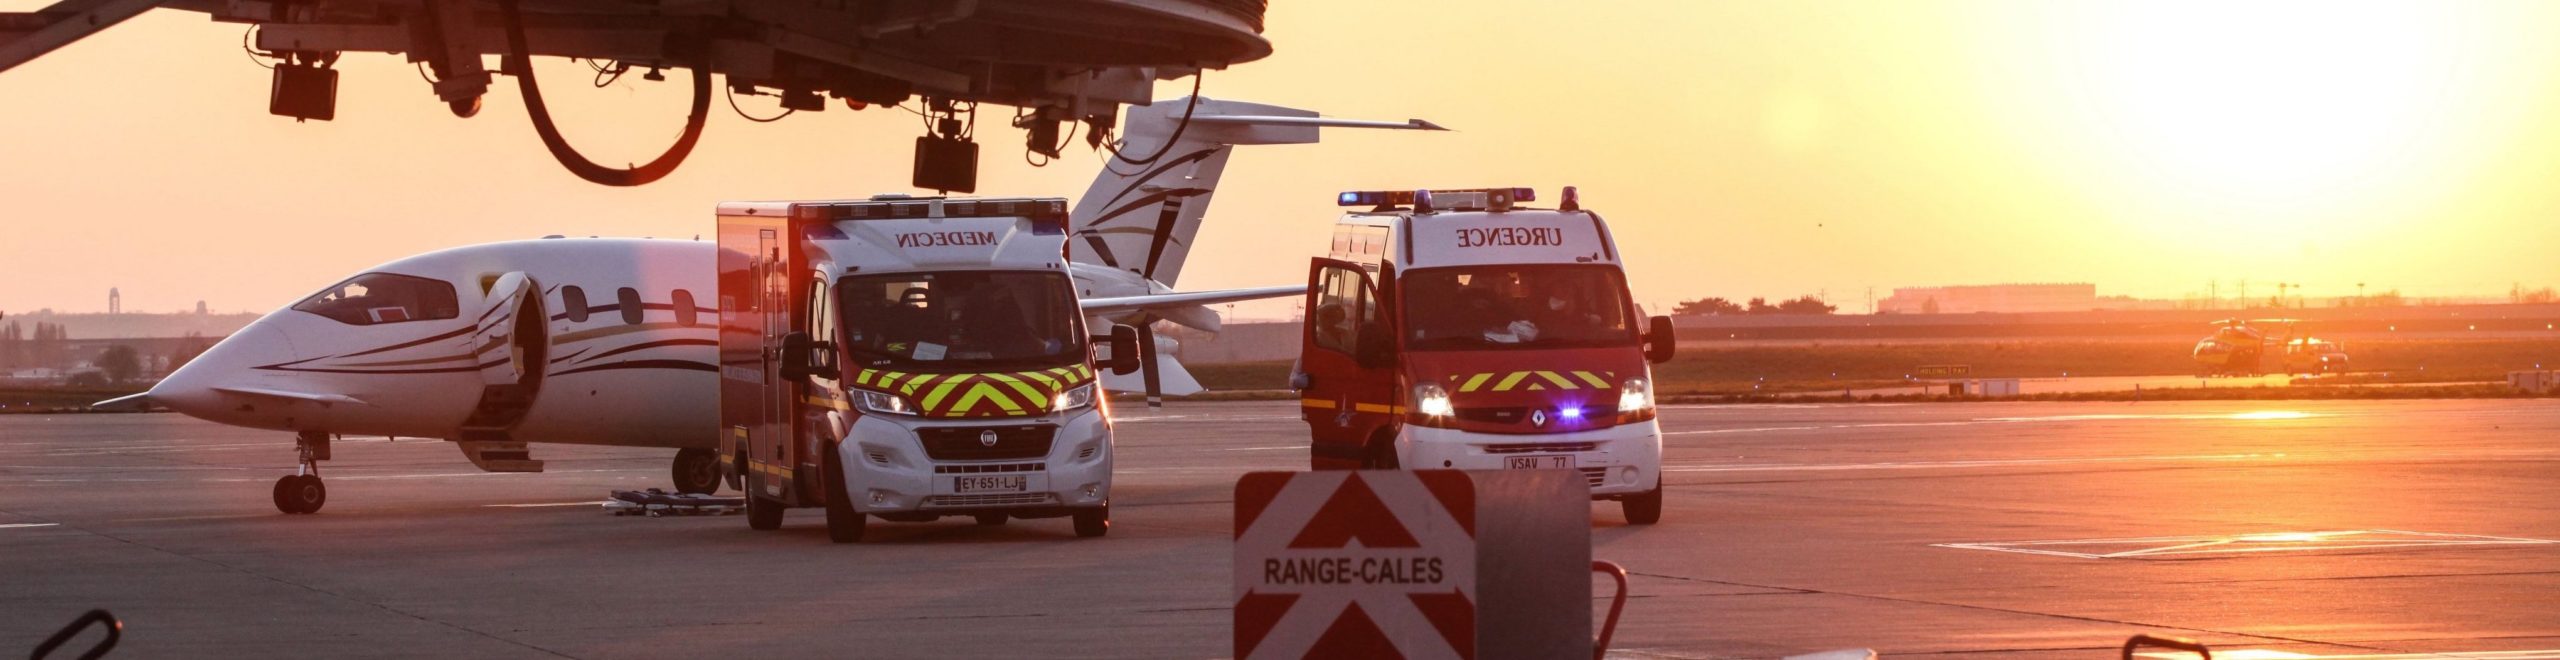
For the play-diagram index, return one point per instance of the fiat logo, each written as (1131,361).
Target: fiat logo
(1538,418)
(987,438)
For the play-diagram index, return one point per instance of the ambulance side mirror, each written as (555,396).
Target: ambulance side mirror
(1659,342)
(1123,344)
(803,358)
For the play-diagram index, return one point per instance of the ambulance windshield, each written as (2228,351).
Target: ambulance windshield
(1516,306)
(974,320)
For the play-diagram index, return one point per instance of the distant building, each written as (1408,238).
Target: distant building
(115,301)
(1999,298)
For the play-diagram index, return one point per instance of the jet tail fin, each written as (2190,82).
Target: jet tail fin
(1141,218)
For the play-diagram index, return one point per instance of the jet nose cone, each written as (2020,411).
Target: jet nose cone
(233,361)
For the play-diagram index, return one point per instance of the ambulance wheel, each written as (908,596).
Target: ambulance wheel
(992,519)
(300,494)
(763,515)
(1093,522)
(1382,456)
(1643,508)
(697,471)
(844,525)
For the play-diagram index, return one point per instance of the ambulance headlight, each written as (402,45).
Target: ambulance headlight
(1431,405)
(1075,399)
(885,403)
(1635,400)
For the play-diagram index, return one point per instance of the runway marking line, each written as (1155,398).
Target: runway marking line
(2253,416)
(2164,546)
(546,504)
(1943,465)
(22,525)
(2266,654)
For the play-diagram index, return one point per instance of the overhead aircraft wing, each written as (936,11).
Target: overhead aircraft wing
(1280,120)
(1161,301)
(292,395)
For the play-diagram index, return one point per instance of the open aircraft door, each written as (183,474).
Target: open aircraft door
(509,342)
(1348,391)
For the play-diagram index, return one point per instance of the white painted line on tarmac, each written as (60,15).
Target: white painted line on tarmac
(1201,418)
(1262,448)
(547,504)
(2260,415)
(2267,654)
(226,516)
(1763,429)
(2162,546)
(19,525)
(1942,465)
(435,475)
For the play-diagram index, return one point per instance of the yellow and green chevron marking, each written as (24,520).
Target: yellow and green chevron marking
(1004,394)
(1505,381)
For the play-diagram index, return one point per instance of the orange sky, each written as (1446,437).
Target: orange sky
(1740,149)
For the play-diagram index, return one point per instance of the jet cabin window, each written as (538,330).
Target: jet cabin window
(960,319)
(1481,307)
(374,298)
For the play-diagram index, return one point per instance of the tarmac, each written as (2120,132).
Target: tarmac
(2267,529)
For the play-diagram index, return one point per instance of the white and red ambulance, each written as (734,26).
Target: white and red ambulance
(1458,329)
(908,359)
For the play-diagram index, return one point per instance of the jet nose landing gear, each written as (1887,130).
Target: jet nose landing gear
(302,492)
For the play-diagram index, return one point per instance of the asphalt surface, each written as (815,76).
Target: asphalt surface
(1962,529)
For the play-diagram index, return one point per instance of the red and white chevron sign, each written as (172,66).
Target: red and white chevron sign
(1371,564)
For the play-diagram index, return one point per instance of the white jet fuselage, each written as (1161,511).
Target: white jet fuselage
(610,375)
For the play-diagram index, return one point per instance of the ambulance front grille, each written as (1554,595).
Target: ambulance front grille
(984,443)
(989,467)
(1596,476)
(1007,499)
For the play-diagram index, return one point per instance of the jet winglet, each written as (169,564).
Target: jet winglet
(1119,304)
(135,400)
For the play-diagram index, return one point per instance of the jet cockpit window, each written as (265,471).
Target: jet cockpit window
(374,298)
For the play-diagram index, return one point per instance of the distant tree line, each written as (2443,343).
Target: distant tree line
(48,347)
(1723,307)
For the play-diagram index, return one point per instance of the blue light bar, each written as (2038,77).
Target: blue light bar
(1503,197)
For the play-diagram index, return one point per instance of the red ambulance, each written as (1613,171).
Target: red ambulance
(1458,329)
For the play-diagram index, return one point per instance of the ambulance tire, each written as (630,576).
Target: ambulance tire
(1382,454)
(1093,522)
(992,519)
(844,525)
(1643,508)
(763,515)
(697,471)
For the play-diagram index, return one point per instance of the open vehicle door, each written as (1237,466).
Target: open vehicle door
(1349,392)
